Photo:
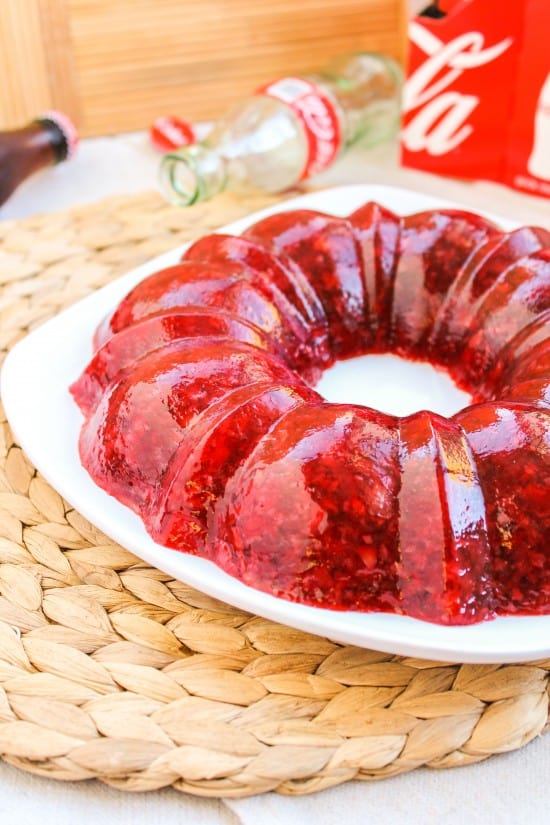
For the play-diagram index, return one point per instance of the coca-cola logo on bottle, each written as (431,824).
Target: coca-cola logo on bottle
(442,120)
(318,116)
(319,120)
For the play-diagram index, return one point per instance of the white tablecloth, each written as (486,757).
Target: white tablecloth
(508,789)
(125,164)
(504,790)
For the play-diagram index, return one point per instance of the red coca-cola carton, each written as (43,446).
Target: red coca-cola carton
(477,95)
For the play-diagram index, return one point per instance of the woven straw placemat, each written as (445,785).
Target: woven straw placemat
(111,669)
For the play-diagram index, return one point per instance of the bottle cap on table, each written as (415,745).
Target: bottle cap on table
(169,132)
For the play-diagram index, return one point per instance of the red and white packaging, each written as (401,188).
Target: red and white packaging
(477,95)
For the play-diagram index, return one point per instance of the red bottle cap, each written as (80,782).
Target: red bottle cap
(67,129)
(168,133)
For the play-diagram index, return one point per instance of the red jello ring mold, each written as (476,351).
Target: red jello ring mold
(217,439)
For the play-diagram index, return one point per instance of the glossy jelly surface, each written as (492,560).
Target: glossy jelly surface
(201,413)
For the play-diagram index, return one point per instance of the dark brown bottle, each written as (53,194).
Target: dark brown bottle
(46,141)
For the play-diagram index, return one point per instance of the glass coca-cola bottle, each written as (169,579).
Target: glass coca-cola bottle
(50,139)
(289,130)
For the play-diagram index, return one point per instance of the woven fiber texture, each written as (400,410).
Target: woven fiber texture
(111,669)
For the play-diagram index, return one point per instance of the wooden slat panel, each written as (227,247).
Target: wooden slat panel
(59,57)
(114,65)
(25,87)
(196,58)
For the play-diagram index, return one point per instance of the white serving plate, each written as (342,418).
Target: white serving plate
(46,422)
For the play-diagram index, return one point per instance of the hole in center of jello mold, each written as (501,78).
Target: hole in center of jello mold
(392,385)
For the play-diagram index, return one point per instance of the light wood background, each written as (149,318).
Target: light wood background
(115,65)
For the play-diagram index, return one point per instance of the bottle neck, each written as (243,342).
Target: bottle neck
(192,174)
(367,89)
(56,130)
(30,147)
(25,151)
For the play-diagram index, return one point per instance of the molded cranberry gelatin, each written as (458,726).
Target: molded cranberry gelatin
(201,412)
